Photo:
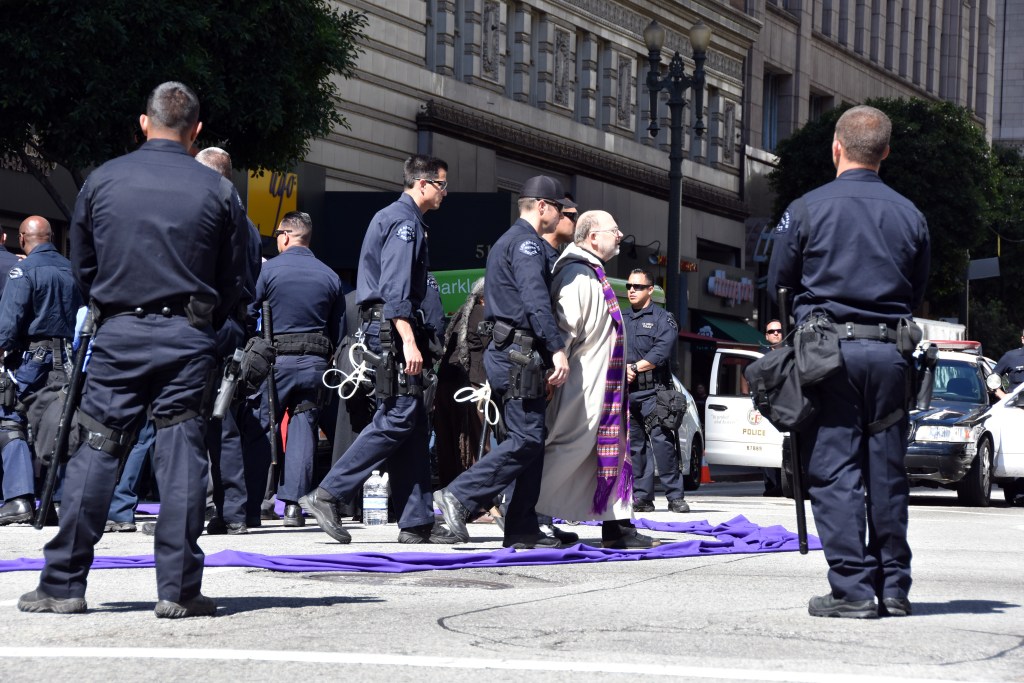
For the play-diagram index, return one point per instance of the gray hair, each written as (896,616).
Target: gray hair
(173,106)
(589,221)
(864,133)
(217,159)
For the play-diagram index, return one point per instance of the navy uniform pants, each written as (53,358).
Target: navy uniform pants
(227,468)
(137,362)
(126,494)
(519,458)
(298,382)
(397,436)
(19,476)
(646,452)
(857,480)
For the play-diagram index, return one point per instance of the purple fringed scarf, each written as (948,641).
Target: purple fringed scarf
(613,430)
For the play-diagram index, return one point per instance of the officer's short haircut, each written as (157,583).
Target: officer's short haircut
(173,106)
(422,166)
(217,159)
(300,224)
(864,133)
(647,276)
(527,204)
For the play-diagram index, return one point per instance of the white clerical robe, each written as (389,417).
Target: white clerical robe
(574,414)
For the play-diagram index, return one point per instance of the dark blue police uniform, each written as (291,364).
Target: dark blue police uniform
(517,292)
(1011,364)
(651,335)
(38,305)
(392,283)
(7,261)
(859,252)
(306,303)
(158,244)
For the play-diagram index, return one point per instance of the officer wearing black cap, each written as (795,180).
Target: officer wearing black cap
(525,331)
(392,286)
(651,335)
(1011,364)
(158,244)
(858,252)
(37,316)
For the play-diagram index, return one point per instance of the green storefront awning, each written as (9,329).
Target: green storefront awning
(725,328)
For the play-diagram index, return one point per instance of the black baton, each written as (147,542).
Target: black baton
(794,441)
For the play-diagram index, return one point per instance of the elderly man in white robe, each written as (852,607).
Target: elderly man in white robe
(587,472)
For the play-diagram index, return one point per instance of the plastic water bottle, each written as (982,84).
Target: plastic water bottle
(375,500)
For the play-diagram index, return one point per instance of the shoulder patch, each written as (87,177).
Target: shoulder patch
(529,247)
(406,233)
(783,226)
(16,272)
(432,282)
(672,322)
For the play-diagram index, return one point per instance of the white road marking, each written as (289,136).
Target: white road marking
(357,658)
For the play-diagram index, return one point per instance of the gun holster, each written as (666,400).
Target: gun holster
(8,389)
(526,376)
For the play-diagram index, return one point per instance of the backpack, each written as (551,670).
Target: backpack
(776,391)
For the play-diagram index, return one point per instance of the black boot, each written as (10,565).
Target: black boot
(622,535)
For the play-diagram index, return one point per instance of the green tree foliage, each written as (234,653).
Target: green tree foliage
(76,75)
(940,160)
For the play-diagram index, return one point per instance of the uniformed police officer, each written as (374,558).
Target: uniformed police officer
(158,244)
(392,284)
(1011,364)
(37,313)
(7,261)
(308,316)
(518,301)
(859,252)
(651,335)
(227,490)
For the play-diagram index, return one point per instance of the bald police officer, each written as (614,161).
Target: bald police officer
(859,252)
(158,244)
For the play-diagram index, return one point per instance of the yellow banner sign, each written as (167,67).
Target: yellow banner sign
(271,196)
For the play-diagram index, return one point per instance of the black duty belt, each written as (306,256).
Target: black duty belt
(371,312)
(880,332)
(302,344)
(166,310)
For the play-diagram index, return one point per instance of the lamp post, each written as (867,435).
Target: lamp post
(675,83)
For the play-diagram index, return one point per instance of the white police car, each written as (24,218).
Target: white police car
(1005,423)
(691,441)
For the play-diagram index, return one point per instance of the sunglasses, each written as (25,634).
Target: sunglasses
(631,285)
(278,233)
(571,215)
(773,331)
(441,185)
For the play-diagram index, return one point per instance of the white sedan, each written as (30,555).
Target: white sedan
(1005,422)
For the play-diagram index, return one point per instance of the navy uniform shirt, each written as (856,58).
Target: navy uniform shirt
(40,299)
(156,227)
(304,294)
(518,283)
(1012,365)
(650,335)
(854,249)
(7,261)
(393,260)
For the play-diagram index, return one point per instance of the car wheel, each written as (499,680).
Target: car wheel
(691,481)
(975,489)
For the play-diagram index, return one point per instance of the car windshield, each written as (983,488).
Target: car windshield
(958,381)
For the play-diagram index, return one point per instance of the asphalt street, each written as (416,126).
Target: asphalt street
(722,618)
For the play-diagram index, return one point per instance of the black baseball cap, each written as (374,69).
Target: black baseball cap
(548,188)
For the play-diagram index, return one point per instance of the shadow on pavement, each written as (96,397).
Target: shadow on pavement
(237,605)
(962,607)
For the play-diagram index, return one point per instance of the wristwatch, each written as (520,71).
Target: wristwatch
(632,367)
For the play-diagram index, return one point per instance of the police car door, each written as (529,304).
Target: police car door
(734,431)
(1006,424)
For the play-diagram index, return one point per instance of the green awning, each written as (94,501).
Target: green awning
(725,328)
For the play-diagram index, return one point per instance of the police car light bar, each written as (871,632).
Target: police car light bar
(961,345)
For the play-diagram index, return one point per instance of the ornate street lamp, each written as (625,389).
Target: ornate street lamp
(675,83)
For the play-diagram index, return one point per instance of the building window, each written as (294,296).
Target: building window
(770,118)
(718,253)
(819,105)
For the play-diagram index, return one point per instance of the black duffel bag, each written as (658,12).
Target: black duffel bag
(776,391)
(669,409)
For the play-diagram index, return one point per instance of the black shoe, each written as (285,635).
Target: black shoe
(428,533)
(326,515)
(118,527)
(199,606)
(38,601)
(293,515)
(526,541)
(643,506)
(268,514)
(894,607)
(237,528)
(455,514)
(678,505)
(829,606)
(631,539)
(217,527)
(149,528)
(564,537)
(17,510)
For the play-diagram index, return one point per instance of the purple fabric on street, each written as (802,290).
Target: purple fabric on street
(738,535)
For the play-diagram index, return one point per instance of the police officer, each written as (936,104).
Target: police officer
(518,301)
(392,285)
(1011,364)
(650,342)
(227,490)
(7,261)
(308,316)
(37,314)
(158,244)
(859,252)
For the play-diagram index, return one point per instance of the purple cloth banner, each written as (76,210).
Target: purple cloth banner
(736,536)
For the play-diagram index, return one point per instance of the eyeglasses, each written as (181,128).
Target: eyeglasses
(615,230)
(441,185)
(278,233)
(773,331)
(571,215)
(632,285)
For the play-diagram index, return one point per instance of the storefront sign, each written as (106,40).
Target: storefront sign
(270,197)
(735,291)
